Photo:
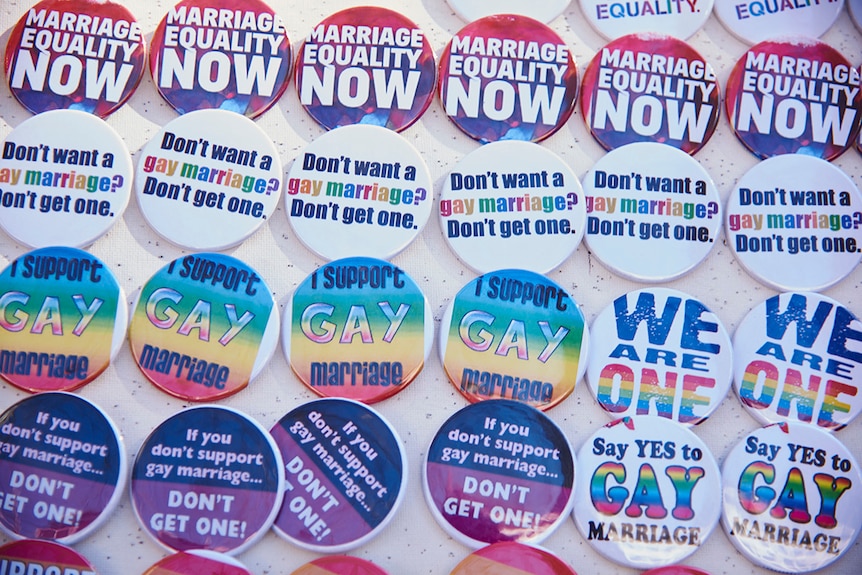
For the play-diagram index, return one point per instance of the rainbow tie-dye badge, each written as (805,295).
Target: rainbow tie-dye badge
(511,558)
(339,565)
(196,562)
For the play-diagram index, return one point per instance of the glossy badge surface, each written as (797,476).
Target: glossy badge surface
(499,470)
(514,334)
(346,472)
(40,557)
(512,205)
(754,21)
(366,65)
(650,88)
(653,212)
(794,222)
(358,191)
(208,180)
(510,558)
(794,95)
(208,477)
(659,352)
(508,77)
(221,54)
(64,319)
(339,565)
(65,179)
(797,359)
(677,18)
(197,562)
(203,327)
(791,498)
(63,468)
(647,493)
(85,55)
(358,328)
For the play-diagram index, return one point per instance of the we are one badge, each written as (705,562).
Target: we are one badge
(508,77)
(221,55)
(64,319)
(797,359)
(358,328)
(514,334)
(366,65)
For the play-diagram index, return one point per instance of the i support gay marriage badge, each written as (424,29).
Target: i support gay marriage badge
(85,55)
(208,477)
(508,77)
(62,468)
(653,211)
(208,180)
(794,95)
(797,359)
(358,191)
(512,205)
(794,222)
(514,334)
(203,327)
(366,65)
(65,179)
(647,493)
(650,88)
(791,498)
(64,318)
(358,328)
(346,474)
(499,471)
(660,352)
(40,556)
(221,54)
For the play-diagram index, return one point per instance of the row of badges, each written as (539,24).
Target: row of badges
(205,325)
(503,77)
(644,491)
(209,179)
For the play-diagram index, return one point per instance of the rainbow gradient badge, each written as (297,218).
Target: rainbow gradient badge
(514,334)
(203,327)
(358,328)
(791,498)
(647,491)
(63,319)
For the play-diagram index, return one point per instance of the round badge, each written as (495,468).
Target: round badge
(358,182)
(208,180)
(366,65)
(789,498)
(855,9)
(794,96)
(647,492)
(346,473)
(190,321)
(541,10)
(795,359)
(490,348)
(754,21)
(339,565)
(499,470)
(650,88)
(653,212)
(508,77)
(678,19)
(66,177)
(62,467)
(511,558)
(358,328)
(676,570)
(64,319)
(208,477)
(196,562)
(214,54)
(794,222)
(36,556)
(659,352)
(85,55)
(512,205)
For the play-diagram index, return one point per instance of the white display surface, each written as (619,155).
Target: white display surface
(413,543)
